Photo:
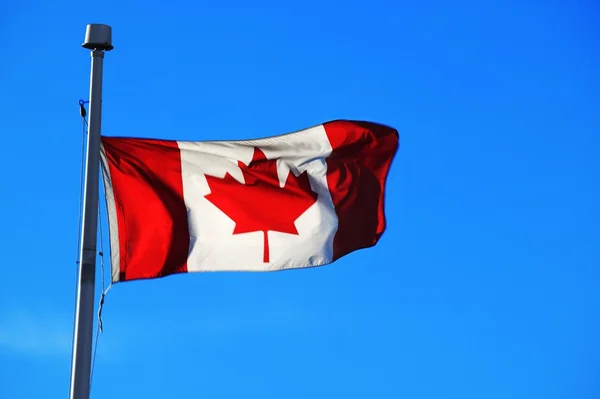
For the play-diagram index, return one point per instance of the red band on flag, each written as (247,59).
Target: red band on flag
(151,212)
(356,174)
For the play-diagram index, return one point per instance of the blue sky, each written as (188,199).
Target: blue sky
(485,284)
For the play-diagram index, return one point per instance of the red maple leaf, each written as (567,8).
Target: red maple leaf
(261,204)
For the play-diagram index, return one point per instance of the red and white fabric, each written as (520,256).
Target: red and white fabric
(298,200)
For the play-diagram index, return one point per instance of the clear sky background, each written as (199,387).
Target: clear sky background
(485,284)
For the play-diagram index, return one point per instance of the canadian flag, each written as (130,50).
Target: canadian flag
(298,200)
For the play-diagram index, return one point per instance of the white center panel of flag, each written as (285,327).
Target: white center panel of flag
(213,244)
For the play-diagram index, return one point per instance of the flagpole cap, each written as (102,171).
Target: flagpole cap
(98,37)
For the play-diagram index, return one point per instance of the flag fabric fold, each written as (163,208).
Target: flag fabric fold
(297,200)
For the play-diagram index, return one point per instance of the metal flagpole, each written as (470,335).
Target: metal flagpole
(97,39)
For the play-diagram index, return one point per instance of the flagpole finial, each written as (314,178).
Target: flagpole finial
(98,37)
